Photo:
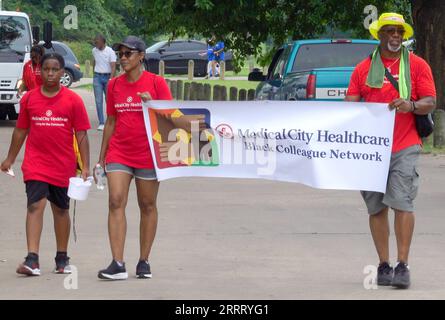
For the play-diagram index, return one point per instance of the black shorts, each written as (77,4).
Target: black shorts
(37,190)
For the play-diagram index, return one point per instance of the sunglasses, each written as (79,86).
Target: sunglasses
(127,54)
(393,30)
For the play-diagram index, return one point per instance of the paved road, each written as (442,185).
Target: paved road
(228,239)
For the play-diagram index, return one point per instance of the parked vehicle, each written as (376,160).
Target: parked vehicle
(15,47)
(312,69)
(176,55)
(72,67)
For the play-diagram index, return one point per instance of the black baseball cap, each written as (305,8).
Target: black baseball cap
(131,42)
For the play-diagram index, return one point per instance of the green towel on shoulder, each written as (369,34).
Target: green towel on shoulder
(376,73)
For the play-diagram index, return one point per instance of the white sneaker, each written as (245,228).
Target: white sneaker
(100,127)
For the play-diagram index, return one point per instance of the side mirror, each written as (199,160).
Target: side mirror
(256,75)
(161,51)
(47,34)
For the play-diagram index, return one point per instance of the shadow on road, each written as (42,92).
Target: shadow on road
(7,123)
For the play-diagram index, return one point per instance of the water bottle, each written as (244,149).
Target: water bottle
(101,179)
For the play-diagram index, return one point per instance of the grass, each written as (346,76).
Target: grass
(82,68)
(428,148)
(243,73)
(240,84)
(88,86)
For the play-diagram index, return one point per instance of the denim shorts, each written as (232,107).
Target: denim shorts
(402,185)
(143,174)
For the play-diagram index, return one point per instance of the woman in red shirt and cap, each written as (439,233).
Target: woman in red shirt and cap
(125,154)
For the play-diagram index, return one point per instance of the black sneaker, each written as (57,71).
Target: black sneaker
(62,264)
(143,270)
(30,267)
(385,274)
(113,272)
(401,276)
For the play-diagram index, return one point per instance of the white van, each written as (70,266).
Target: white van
(15,47)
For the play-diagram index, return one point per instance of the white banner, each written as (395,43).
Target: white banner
(328,145)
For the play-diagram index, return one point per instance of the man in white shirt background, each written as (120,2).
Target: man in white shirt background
(104,66)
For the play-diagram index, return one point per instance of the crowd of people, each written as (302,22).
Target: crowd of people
(52,118)
(125,153)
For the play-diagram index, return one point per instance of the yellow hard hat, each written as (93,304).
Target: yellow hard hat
(390,18)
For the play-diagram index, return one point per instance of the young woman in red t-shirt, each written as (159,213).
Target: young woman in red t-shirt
(125,154)
(48,117)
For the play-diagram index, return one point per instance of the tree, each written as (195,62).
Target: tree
(93,17)
(245,25)
(429,17)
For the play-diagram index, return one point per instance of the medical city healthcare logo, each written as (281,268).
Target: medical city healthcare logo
(225,131)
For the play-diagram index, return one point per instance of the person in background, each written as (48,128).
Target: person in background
(49,115)
(104,66)
(210,58)
(32,77)
(218,52)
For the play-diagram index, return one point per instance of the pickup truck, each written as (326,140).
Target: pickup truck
(311,69)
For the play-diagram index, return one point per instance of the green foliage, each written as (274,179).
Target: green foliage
(111,18)
(82,50)
(244,25)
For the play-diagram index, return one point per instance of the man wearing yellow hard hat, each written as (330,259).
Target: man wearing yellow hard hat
(395,76)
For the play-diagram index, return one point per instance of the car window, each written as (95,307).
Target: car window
(195,46)
(156,46)
(14,34)
(175,46)
(278,70)
(59,49)
(326,55)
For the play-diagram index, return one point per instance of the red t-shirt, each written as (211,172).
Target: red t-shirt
(129,142)
(32,76)
(49,153)
(422,85)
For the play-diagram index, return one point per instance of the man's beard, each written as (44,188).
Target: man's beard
(393,48)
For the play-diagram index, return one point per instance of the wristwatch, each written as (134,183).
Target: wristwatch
(414,106)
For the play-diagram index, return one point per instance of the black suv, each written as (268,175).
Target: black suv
(176,55)
(72,67)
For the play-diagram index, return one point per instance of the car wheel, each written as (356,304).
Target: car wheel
(12,115)
(67,79)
